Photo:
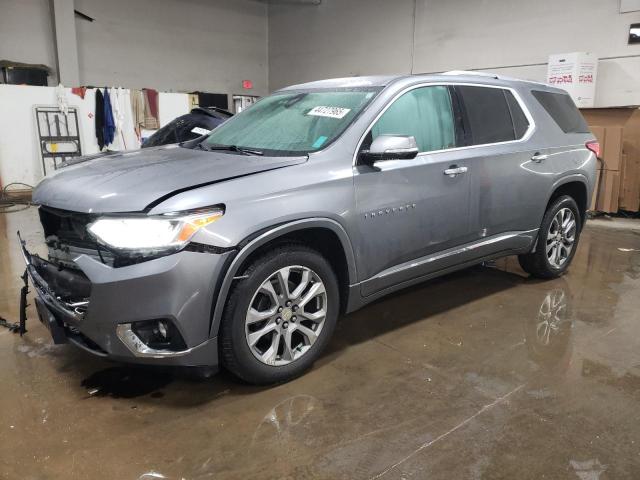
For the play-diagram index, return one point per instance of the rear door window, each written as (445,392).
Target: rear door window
(488,114)
(425,113)
(563,111)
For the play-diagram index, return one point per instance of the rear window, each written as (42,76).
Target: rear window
(488,114)
(563,111)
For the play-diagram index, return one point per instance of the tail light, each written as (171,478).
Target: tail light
(594,146)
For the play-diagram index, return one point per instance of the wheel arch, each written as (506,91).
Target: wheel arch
(324,234)
(576,186)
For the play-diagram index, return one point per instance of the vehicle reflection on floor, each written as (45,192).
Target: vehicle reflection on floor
(548,334)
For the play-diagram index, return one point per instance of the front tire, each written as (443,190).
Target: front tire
(557,240)
(278,320)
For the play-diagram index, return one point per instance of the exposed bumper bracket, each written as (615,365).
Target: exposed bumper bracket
(67,311)
(24,291)
(21,326)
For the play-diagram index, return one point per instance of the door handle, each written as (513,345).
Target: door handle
(452,171)
(538,157)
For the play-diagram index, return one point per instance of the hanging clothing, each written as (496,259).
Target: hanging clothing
(61,99)
(80,91)
(100,118)
(151,121)
(125,136)
(137,107)
(118,113)
(109,123)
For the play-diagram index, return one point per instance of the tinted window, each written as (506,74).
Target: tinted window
(520,122)
(424,113)
(562,110)
(487,114)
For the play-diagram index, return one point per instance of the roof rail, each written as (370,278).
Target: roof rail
(470,72)
(493,75)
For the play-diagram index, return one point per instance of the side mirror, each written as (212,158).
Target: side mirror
(390,147)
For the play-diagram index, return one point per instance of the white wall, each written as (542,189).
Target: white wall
(212,45)
(20,159)
(169,45)
(338,38)
(368,37)
(26,33)
(489,34)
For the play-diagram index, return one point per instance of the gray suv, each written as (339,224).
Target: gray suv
(241,248)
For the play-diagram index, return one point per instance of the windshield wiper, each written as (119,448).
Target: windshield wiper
(231,148)
(295,99)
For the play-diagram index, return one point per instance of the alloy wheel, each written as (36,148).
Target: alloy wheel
(286,315)
(561,237)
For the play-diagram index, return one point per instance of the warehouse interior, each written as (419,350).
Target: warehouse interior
(482,373)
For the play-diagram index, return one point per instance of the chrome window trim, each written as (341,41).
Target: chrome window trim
(516,95)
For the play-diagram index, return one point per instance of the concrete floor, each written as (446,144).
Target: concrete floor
(480,374)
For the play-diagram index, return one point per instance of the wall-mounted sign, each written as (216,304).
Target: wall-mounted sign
(629,6)
(247,84)
(576,73)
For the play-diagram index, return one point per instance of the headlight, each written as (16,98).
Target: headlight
(160,232)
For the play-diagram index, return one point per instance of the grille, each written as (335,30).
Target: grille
(66,237)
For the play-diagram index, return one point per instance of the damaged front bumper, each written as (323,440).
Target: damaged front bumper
(99,308)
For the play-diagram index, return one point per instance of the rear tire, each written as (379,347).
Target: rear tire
(557,240)
(271,333)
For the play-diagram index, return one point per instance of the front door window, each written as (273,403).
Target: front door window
(424,113)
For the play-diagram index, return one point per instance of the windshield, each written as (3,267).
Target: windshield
(293,122)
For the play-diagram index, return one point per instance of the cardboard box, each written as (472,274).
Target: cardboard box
(608,192)
(612,151)
(630,184)
(605,124)
(596,190)
(611,141)
(598,132)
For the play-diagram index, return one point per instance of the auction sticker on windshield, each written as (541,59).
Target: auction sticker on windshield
(331,112)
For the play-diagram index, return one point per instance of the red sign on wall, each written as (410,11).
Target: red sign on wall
(247,84)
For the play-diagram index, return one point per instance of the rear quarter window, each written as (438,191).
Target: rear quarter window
(563,111)
(520,122)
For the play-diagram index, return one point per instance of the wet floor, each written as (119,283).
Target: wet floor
(481,374)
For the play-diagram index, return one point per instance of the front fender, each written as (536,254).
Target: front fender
(267,236)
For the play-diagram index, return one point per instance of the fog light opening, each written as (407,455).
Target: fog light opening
(162,329)
(159,334)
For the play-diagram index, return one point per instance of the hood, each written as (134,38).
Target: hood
(133,181)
